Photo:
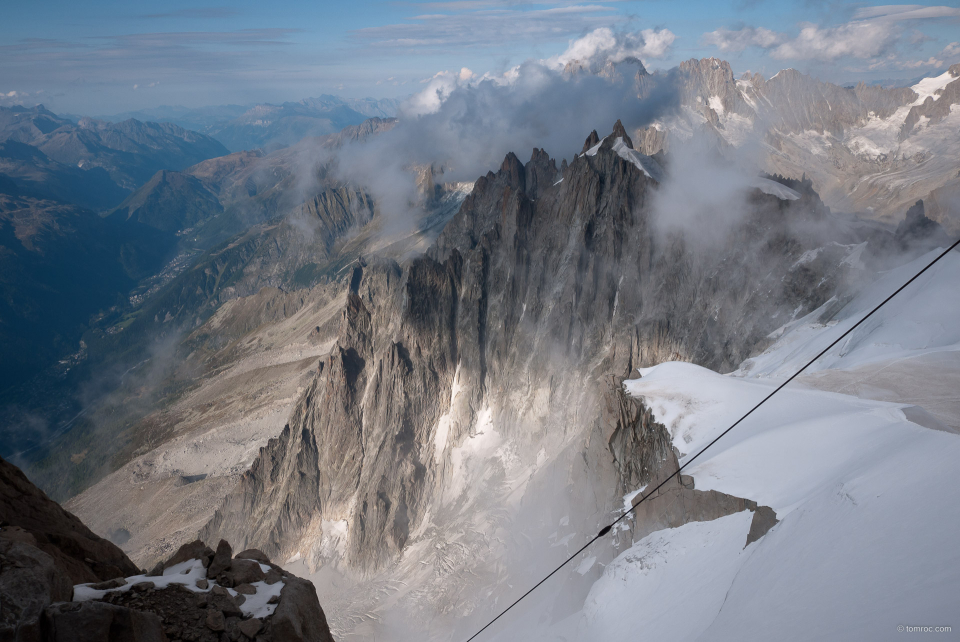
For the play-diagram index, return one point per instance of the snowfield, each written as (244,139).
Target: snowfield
(868,501)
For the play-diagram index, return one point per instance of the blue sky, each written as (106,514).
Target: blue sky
(104,57)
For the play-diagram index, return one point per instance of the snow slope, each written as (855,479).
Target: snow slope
(867,500)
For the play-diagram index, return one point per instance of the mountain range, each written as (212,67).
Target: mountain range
(866,148)
(424,421)
(270,126)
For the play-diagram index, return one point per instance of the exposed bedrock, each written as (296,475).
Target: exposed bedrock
(28,515)
(534,295)
(645,457)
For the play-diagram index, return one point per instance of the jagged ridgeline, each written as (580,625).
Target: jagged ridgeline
(541,293)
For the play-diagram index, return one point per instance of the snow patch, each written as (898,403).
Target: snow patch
(930,87)
(186,574)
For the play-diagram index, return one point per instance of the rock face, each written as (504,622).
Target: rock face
(298,615)
(533,295)
(29,581)
(75,549)
(645,458)
(44,551)
(917,232)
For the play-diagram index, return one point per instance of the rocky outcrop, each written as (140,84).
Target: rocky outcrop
(206,598)
(27,514)
(645,458)
(44,551)
(535,290)
(918,233)
(29,581)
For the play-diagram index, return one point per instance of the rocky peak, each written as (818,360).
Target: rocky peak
(512,170)
(620,132)
(934,110)
(709,87)
(592,140)
(539,173)
(530,286)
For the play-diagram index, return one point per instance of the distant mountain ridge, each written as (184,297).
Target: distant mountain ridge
(271,126)
(130,151)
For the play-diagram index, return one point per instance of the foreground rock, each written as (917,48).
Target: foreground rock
(44,551)
(59,582)
(202,596)
(27,514)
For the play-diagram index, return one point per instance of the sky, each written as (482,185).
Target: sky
(102,57)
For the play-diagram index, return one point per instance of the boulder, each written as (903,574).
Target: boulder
(195,550)
(220,599)
(215,620)
(241,572)
(764,518)
(29,581)
(221,560)
(253,554)
(298,617)
(99,622)
(116,582)
(273,576)
(250,627)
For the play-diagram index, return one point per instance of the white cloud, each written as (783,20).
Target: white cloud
(862,39)
(945,58)
(604,44)
(593,50)
(428,100)
(737,40)
(874,32)
(24,98)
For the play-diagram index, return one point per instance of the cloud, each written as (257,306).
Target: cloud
(604,44)
(19,98)
(946,57)
(864,39)
(874,32)
(485,25)
(196,12)
(463,125)
(737,40)
(593,51)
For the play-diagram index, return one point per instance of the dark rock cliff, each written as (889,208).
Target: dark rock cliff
(535,292)
(41,522)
